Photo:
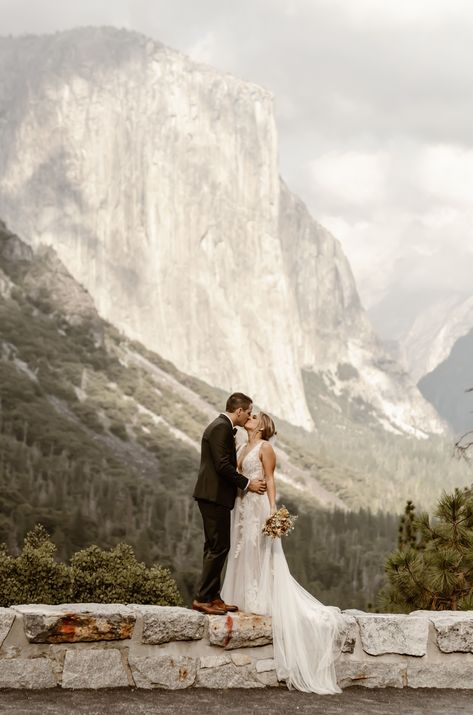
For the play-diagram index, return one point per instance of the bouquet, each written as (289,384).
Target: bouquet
(279,524)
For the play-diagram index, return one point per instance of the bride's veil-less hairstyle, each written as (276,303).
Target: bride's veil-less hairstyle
(266,426)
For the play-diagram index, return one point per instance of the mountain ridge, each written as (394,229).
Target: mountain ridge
(99,442)
(187,184)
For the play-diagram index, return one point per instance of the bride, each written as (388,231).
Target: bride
(306,634)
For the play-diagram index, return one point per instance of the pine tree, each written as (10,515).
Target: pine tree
(407,535)
(433,566)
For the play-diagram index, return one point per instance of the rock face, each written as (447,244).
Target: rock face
(156,181)
(434,333)
(45,275)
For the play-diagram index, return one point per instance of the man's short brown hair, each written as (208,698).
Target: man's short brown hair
(236,400)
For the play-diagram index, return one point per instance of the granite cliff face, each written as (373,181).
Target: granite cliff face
(433,335)
(156,181)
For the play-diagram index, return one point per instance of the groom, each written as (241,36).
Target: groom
(215,492)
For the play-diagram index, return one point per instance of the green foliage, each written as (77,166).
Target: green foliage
(34,576)
(94,575)
(407,530)
(432,568)
(338,556)
(119,430)
(353,456)
(98,441)
(116,576)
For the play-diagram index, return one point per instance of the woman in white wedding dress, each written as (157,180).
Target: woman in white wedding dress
(307,635)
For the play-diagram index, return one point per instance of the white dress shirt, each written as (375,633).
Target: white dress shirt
(225,414)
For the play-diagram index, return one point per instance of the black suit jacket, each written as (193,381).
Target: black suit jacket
(218,478)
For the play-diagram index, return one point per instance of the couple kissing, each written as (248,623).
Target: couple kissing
(236,494)
(217,487)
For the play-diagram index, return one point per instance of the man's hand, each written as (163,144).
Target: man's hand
(257,485)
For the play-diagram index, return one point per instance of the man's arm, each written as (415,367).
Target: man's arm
(220,446)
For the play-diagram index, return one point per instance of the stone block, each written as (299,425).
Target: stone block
(240,630)
(172,672)
(93,669)
(7,616)
(73,623)
(371,674)
(447,674)
(214,661)
(241,659)
(228,676)
(350,634)
(162,624)
(393,633)
(28,673)
(270,679)
(454,630)
(265,665)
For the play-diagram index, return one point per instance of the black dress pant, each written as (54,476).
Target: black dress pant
(216,520)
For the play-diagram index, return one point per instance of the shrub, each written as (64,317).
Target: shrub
(116,576)
(94,575)
(34,576)
(119,430)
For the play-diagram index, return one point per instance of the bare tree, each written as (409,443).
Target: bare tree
(465,442)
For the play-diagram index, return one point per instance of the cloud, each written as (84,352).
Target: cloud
(446,172)
(373,105)
(205,49)
(349,177)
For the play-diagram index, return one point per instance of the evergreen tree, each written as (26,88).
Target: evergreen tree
(433,566)
(407,535)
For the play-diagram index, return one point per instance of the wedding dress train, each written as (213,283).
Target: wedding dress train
(306,634)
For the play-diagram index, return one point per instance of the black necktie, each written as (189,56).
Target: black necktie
(235,430)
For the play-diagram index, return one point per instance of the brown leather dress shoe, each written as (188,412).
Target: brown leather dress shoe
(209,608)
(221,604)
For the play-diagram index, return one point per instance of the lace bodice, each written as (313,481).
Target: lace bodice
(251,466)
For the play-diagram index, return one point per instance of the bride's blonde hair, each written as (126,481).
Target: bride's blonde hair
(267,426)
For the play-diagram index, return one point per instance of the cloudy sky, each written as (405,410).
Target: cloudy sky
(374,104)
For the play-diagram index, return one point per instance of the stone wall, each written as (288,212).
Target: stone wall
(104,646)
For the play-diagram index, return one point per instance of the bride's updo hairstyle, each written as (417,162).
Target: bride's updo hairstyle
(267,426)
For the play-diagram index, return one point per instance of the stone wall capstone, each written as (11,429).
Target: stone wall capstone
(92,645)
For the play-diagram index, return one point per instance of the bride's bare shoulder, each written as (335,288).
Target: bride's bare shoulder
(267,449)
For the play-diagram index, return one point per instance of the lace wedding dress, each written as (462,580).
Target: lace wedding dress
(306,634)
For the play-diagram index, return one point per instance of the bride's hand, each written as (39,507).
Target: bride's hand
(273,510)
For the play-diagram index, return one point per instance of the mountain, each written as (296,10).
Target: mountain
(447,386)
(431,337)
(156,181)
(100,438)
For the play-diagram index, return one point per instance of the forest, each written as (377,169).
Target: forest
(99,443)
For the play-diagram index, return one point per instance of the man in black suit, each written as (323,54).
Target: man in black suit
(215,492)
